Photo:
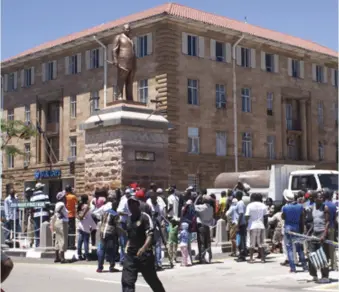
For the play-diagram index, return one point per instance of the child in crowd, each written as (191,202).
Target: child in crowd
(173,239)
(183,243)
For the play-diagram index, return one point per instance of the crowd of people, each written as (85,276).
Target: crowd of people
(135,223)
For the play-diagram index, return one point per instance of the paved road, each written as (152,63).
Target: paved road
(44,276)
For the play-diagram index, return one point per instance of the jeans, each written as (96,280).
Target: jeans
(157,248)
(122,242)
(71,233)
(314,246)
(37,229)
(10,226)
(106,250)
(288,240)
(242,232)
(83,238)
(205,242)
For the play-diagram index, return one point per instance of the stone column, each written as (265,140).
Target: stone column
(43,125)
(283,130)
(303,129)
(61,127)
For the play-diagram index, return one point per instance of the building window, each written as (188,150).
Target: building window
(270,103)
(192,92)
(28,77)
(193,140)
(336,114)
(94,101)
(269,62)
(11,82)
(73,64)
(27,113)
(291,149)
(246,145)
(10,115)
(319,71)
(27,154)
(192,45)
(142,46)
(95,59)
(246,100)
(50,70)
(221,144)
(295,68)
(220,51)
(320,111)
(73,106)
(53,149)
(321,151)
(271,147)
(73,147)
(245,57)
(289,116)
(220,96)
(143,91)
(10,161)
(193,181)
(336,78)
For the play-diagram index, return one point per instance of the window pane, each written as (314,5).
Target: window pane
(193,132)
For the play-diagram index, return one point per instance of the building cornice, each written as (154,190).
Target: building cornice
(299,52)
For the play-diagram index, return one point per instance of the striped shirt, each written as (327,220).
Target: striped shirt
(40,197)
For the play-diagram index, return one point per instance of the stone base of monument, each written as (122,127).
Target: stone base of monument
(124,143)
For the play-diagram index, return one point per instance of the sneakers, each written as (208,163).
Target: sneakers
(99,270)
(324,281)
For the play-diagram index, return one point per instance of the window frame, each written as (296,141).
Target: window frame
(246,145)
(73,106)
(245,57)
(73,146)
(321,151)
(27,77)
(11,82)
(271,155)
(10,115)
(219,150)
(143,91)
(142,46)
(269,67)
(320,114)
(49,71)
(319,73)
(295,68)
(193,139)
(73,64)
(193,92)
(270,103)
(27,154)
(246,101)
(221,58)
(220,96)
(94,102)
(27,113)
(10,161)
(94,58)
(192,45)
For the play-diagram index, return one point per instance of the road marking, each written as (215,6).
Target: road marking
(113,282)
(326,287)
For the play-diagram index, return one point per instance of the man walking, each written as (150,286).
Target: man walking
(241,226)
(139,256)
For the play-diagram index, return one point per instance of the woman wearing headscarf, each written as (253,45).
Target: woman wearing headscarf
(59,225)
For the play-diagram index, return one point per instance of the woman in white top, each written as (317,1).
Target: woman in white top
(59,225)
(86,224)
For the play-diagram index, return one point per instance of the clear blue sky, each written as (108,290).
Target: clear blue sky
(28,23)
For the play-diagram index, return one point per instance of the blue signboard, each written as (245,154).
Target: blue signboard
(41,174)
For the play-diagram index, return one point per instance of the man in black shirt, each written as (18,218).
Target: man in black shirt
(139,256)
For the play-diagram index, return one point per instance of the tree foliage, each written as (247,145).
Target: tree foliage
(12,131)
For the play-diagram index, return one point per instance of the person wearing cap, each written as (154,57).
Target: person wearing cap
(144,207)
(39,214)
(59,225)
(139,256)
(158,213)
(293,215)
(11,214)
(123,212)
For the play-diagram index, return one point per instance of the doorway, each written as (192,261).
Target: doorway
(55,186)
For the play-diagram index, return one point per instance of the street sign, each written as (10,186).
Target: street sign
(24,205)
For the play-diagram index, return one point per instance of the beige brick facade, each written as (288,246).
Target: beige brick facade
(167,69)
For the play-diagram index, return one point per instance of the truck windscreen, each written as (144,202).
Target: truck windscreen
(329,181)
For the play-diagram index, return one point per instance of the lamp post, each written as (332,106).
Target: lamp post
(105,69)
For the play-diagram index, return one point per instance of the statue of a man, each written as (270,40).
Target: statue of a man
(125,60)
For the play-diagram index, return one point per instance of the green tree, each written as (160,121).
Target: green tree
(11,130)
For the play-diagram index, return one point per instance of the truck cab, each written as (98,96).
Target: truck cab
(313,179)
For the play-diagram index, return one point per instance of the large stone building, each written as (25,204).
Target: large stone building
(286,96)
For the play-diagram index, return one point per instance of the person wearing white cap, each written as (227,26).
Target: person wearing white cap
(40,215)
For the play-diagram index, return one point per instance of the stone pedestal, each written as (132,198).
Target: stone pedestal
(126,143)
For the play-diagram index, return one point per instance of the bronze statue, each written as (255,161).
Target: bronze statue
(125,60)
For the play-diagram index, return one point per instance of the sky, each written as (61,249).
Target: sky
(28,23)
